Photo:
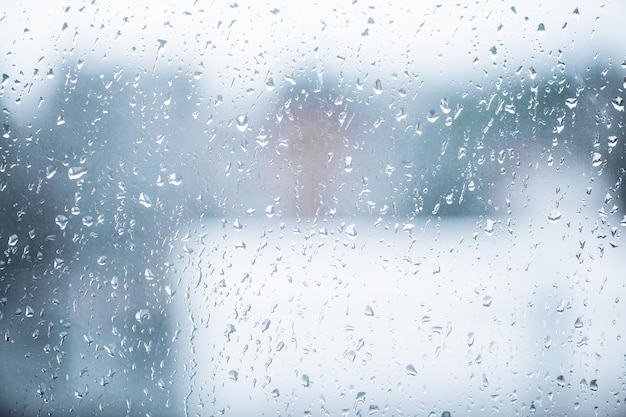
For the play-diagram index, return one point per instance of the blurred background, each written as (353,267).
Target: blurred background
(290,209)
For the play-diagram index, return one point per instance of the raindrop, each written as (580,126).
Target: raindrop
(265,325)
(541,27)
(470,338)
(560,380)
(432,116)
(593,385)
(596,159)
(554,216)
(50,171)
(76,172)
(60,120)
(234,375)
(618,103)
(148,274)
(242,122)
(269,84)
(445,106)
(348,164)
(306,382)
(174,179)
(410,370)
(237,225)
(29,312)
(13,240)
(487,300)
(378,87)
(269,211)
(142,315)
(571,102)
(144,200)
(61,221)
(369,311)
(58,263)
(547,342)
(578,323)
(351,231)
(489,227)
(494,52)
(612,141)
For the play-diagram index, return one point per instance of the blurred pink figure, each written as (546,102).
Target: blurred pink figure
(312,150)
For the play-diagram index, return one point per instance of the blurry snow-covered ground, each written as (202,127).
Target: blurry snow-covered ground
(458,314)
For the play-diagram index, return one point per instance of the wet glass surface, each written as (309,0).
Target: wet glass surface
(341,209)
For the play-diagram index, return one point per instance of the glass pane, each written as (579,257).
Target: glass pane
(280,209)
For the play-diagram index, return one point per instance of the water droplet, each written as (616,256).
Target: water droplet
(174,179)
(347,166)
(242,122)
(13,240)
(410,370)
(547,342)
(489,227)
(269,84)
(148,274)
(76,172)
(618,103)
(560,380)
(446,414)
(58,263)
(470,338)
(269,211)
(571,102)
(541,27)
(234,375)
(351,231)
(369,311)
(61,221)
(60,120)
(145,200)
(237,225)
(554,216)
(378,87)
(29,312)
(445,106)
(306,382)
(596,159)
(432,116)
(593,385)
(487,300)
(612,141)
(494,52)
(142,315)
(265,325)
(50,171)
(578,323)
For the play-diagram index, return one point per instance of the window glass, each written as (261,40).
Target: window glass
(340,208)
